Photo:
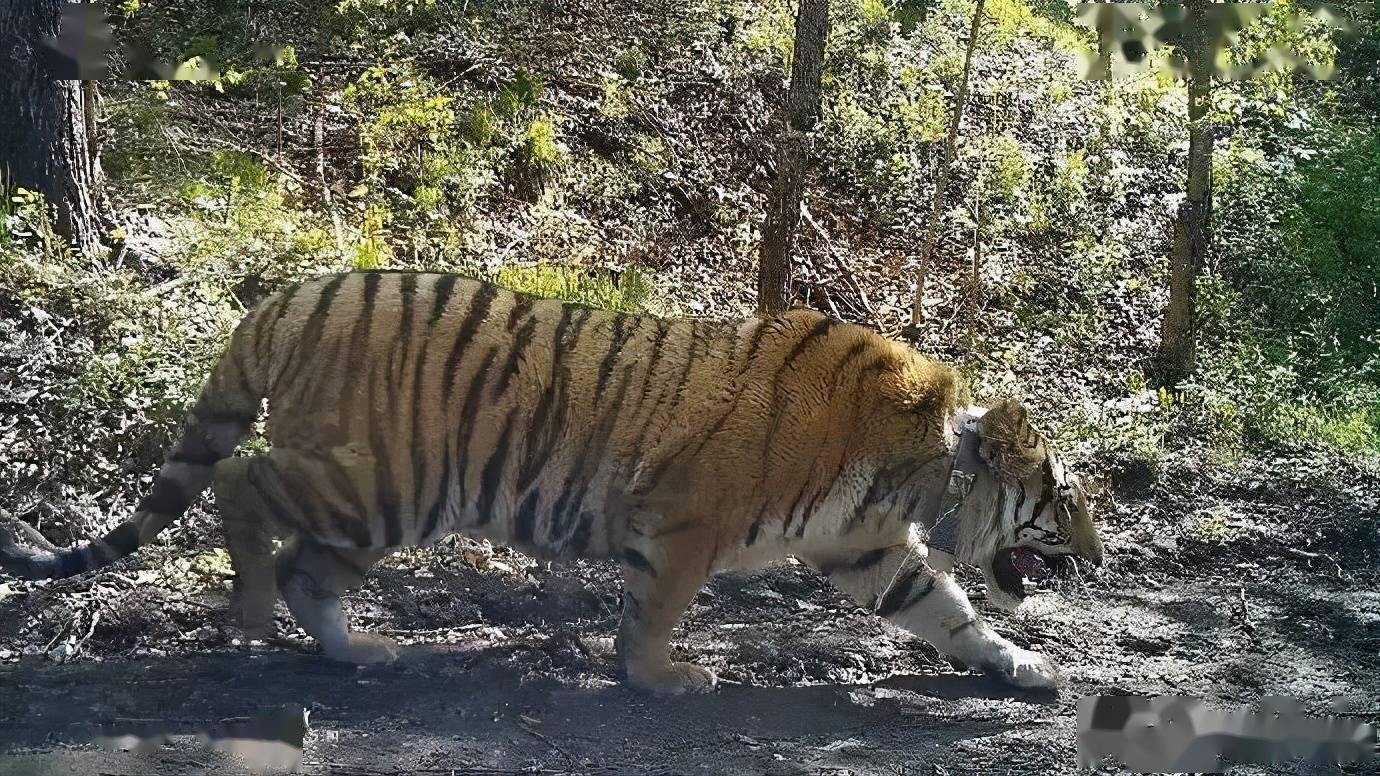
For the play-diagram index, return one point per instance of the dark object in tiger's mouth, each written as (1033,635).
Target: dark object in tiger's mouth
(1015,565)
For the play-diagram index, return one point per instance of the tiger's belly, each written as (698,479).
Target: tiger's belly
(563,527)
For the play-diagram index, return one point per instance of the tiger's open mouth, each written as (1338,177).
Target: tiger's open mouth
(1013,566)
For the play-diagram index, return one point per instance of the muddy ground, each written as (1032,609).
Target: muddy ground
(1210,591)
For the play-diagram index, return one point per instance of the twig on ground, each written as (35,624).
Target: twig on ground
(1296,553)
(95,620)
(570,758)
(170,285)
(1246,625)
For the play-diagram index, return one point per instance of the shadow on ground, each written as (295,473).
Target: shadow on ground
(451,708)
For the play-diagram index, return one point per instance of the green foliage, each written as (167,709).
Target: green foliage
(630,291)
(540,148)
(1015,18)
(98,371)
(407,120)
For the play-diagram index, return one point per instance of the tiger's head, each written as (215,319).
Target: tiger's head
(1026,515)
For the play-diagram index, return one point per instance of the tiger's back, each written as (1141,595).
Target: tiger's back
(410,405)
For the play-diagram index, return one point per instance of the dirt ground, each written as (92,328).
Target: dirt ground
(509,667)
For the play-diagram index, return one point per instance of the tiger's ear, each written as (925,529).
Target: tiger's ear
(1010,446)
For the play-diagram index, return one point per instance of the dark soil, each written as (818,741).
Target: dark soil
(509,666)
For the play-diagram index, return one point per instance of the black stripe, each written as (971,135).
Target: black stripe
(282,513)
(469,412)
(668,461)
(520,343)
(310,337)
(882,484)
(757,337)
(433,518)
(620,337)
(265,348)
(357,350)
(354,526)
(954,631)
(521,309)
(444,286)
(658,349)
(904,594)
(869,559)
(638,561)
(684,378)
(492,476)
(863,562)
(402,341)
(387,501)
(545,432)
(420,456)
(591,457)
(241,373)
(479,309)
(820,329)
(312,500)
(579,539)
(525,526)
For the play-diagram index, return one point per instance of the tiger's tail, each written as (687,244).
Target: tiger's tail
(219,421)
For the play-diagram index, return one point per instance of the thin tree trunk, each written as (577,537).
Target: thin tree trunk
(917,311)
(1192,227)
(802,112)
(327,201)
(47,126)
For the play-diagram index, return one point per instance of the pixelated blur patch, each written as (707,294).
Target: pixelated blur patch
(1136,37)
(1173,733)
(269,742)
(81,48)
(78,51)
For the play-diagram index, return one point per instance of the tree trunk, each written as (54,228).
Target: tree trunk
(917,310)
(802,112)
(47,126)
(1192,227)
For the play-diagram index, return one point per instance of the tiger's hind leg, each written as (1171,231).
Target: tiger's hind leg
(249,535)
(313,577)
(659,584)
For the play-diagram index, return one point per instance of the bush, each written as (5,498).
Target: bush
(629,291)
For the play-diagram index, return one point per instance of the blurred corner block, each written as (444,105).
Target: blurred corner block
(1176,734)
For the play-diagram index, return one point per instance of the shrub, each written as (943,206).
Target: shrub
(630,291)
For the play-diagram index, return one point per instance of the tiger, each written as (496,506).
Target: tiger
(406,406)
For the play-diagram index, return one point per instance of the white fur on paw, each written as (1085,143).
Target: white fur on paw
(676,679)
(372,648)
(1031,670)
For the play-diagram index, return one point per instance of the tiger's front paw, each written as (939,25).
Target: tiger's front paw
(673,679)
(371,649)
(1026,669)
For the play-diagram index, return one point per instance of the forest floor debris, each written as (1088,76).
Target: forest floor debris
(509,665)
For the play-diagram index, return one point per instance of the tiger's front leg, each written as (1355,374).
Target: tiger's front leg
(659,584)
(898,584)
